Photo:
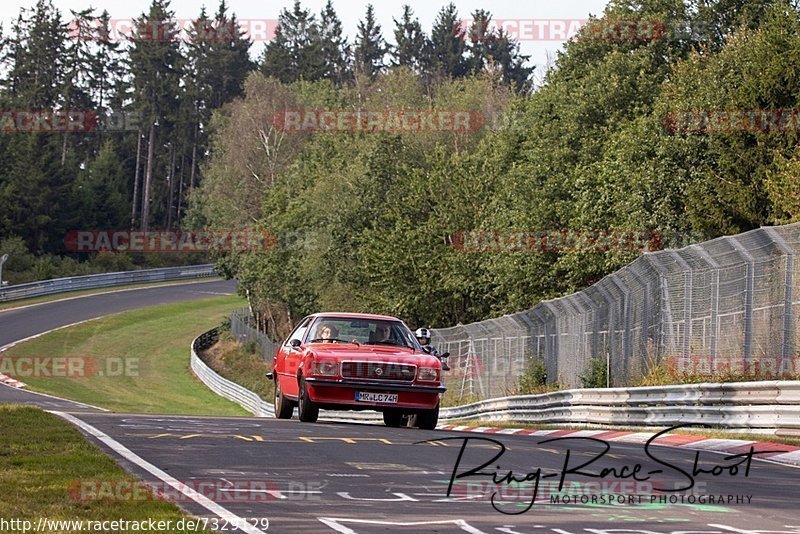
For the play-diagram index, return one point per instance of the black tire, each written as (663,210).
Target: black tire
(283,406)
(428,419)
(307,410)
(392,418)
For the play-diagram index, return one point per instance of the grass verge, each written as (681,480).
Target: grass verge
(135,361)
(238,364)
(98,291)
(42,461)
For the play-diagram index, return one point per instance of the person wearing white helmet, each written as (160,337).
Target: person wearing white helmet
(423,335)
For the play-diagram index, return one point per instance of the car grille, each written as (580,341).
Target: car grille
(379,371)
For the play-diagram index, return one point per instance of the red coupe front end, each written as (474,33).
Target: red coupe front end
(357,362)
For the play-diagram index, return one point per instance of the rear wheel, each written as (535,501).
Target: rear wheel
(392,418)
(307,410)
(428,419)
(283,406)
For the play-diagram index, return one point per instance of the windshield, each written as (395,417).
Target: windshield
(361,331)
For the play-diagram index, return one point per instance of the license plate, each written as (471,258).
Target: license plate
(368,396)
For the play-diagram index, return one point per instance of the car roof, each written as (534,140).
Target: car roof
(355,315)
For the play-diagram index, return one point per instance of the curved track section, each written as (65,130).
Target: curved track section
(19,323)
(357,478)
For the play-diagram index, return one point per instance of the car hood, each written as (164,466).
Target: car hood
(376,353)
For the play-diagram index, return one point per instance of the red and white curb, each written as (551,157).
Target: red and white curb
(7,380)
(789,454)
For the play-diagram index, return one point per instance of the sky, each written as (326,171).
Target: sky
(540,25)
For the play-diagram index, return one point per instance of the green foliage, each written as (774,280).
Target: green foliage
(365,220)
(296,51)
(412,48)
(533,378)
(596,374)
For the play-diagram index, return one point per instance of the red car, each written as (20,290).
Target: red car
(353,361)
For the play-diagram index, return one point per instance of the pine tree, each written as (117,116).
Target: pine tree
(478,40)
(155,62)
(219,62)
(36,56)
(296,51)
(101,191)
(448,44)
(493,50)
(505,55)
(370,46)
(334,47)
(412,49)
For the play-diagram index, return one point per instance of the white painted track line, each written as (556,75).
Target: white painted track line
(202,500)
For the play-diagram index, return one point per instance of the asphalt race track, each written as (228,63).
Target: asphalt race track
(361,478)
(16,324)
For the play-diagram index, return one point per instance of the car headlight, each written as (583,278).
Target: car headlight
(428,374)
(324,368)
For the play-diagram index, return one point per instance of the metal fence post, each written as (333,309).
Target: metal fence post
(549,356)
(688,282)
(611,324)
(787,345)
(748,301)
(627,321)
(714,301)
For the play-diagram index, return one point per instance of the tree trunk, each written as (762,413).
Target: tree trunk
(180,191)
(64,150)
(148,175)
(135,203)
(170,186)
(194,163)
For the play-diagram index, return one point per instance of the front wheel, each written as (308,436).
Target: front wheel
(428,419)
(392,418)
(307,410)
(283,406)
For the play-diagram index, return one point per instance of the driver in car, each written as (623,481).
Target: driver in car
(327,333)
(383,333)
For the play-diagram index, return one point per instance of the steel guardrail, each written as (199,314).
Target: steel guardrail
(94,281)
(772,406)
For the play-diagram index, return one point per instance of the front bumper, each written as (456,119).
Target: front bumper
(341,393)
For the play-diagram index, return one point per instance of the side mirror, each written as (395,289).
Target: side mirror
(270,376)
(295,343)
(443,359)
